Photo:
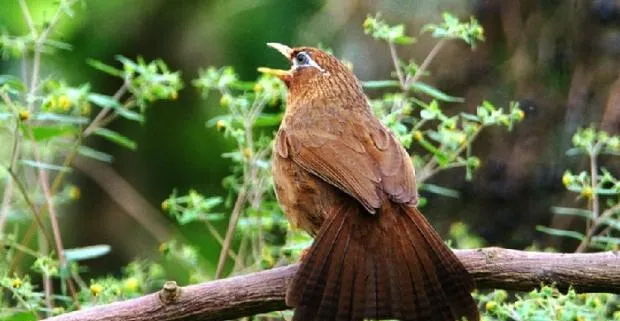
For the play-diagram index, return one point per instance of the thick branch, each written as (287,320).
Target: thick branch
(264,291)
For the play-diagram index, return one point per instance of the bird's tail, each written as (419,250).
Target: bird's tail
(390,265)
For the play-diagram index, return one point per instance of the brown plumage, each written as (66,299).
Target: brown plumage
(342,176)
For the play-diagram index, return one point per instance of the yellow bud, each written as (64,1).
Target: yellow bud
(225,100)
(247,153)
(96,289)
(74,192)
(16,283)
(258,87)
(491,306)
(132,284)
(85,109)
(58,310)
(24,115)
(587,192)
(520,114)
(418,135)
(64,102)
(165,205)
(174,95)
(567,179)
(220,124)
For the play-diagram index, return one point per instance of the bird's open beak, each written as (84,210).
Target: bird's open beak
(280,73)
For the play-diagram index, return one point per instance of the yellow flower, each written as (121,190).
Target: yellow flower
(64,102)
(258,87)
(567,179)
(16,283)
(418,135)
(220,124)
(132,284)
(225,100)
(520,115)
(74,192)
(85,109)
(24,115)
(587,192)
(491,306)
(96,289)
(165,205)
(247,153)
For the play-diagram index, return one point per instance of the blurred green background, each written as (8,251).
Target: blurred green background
(559,59)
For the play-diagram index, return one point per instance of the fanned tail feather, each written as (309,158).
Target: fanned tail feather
(390,265)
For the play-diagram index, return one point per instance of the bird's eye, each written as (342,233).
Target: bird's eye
(302,58)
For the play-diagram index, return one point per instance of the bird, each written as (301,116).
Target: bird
(342,176)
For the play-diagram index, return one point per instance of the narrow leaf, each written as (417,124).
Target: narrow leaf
(559,232)
(13,82)
(110,102)
(45,166)
(60,118)
(95,154)
(434,92)
(116,138)
(381,84)
(572,211)
(268,120)
(43,133)
(440,190)
(105,68)
(87,252)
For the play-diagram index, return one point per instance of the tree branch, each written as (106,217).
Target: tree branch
(263,292)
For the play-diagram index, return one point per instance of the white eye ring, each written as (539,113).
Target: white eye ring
(302,59)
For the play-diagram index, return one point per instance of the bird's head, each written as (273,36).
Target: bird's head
(313,68)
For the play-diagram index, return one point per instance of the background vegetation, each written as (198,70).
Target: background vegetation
(111,182)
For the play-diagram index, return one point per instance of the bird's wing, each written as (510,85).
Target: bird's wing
(353,152)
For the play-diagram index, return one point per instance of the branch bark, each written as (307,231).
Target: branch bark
(261,292)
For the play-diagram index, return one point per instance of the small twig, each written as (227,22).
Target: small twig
(399,73)
(427,61)
(98,120)
(591,225)
(230,232)
(28,17)
(40,40)
(53,216)
(30,204)
(47,281)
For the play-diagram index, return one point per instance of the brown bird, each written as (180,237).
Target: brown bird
(342,176)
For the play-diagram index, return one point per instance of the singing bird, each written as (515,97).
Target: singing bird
(343,177)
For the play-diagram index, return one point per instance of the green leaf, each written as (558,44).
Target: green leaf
(109,102)
(13,82)
(60,118)
(87,252)
(440,190)
(45,166)
(95,154)
(43,133)
(404,40)
(572,211)
(372,84)
(606,240)
(612,222)
(434,92)
(105,68)
(268,120)
(559,232)
(116,138)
